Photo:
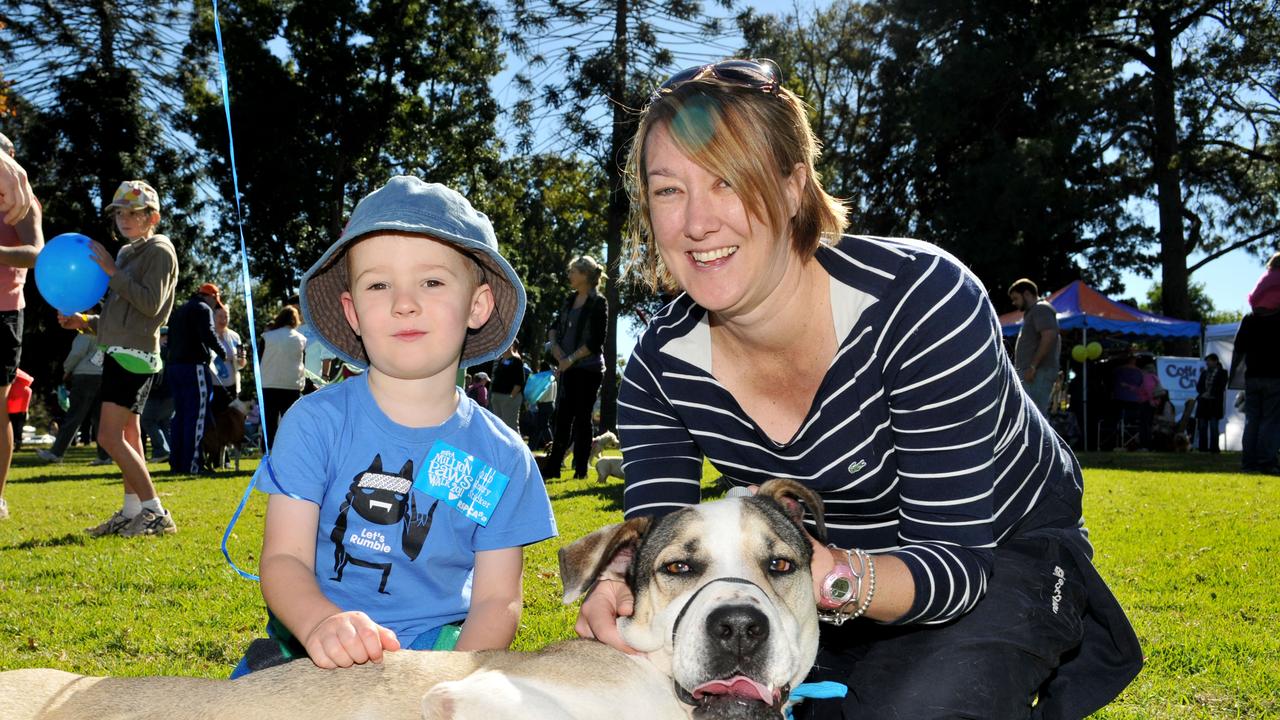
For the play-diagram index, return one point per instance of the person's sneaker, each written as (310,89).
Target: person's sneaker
(101,461)
(112,526)
(159,458)
(4,509)
(149,522)
(47,456)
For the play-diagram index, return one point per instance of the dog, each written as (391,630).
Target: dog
(226,430)
(724,616)
(607,467)
(604,441)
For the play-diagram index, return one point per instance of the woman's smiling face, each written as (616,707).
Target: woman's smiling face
(728,261)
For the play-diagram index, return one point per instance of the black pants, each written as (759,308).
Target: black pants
(1207,434)
(577,397)
(1047,626)
(275,402)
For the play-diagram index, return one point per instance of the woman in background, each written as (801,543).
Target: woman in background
(282,373)
(577,344)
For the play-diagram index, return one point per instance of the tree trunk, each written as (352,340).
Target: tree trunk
(618,205)
(109,175)
(1175,300)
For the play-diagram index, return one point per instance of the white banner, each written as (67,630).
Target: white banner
(1178,375)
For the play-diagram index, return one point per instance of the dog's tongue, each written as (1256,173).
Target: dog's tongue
(737,686)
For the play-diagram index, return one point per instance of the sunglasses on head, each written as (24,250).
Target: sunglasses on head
(761,75)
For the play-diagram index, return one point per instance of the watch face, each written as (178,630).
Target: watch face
(841,589)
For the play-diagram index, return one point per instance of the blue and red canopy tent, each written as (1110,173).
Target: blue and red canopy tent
(1082,308)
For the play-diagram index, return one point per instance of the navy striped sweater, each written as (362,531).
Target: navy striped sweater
(920,439)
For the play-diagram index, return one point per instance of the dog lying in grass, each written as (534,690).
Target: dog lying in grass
(725,640)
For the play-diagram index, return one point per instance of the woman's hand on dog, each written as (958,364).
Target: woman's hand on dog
(349,638)
(598,618)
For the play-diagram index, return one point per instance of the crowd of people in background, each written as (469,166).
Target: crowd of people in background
(114,399)
(1128,406)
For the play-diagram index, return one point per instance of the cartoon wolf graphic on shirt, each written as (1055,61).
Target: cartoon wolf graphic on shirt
(380,500)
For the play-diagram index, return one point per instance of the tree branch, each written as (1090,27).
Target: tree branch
(1274,229)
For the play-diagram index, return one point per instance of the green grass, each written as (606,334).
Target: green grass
(1188,544)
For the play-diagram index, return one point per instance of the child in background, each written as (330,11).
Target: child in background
(144,275)
(399,507)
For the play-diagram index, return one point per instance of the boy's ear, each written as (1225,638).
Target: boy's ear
(481,307)
(349,310)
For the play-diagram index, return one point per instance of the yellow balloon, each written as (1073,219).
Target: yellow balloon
(1079,353)
(1094,350)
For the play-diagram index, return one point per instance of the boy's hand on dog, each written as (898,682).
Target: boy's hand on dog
(598,618)
(349,638)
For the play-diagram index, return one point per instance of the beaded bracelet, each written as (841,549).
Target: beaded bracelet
(870,567)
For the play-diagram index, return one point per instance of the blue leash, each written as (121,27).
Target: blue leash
(816,691)
(248,298)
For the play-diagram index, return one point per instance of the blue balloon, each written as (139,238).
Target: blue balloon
(67,276)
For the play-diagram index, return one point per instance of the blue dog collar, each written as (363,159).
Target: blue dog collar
(816,691)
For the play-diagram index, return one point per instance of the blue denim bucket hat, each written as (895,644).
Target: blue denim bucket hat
(409,204)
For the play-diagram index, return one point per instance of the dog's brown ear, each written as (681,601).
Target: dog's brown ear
(795,499)
(608,549)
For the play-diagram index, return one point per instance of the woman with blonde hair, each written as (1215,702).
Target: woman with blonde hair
(958,581)
(577,344)
(282,373)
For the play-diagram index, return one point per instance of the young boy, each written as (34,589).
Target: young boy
(398,507)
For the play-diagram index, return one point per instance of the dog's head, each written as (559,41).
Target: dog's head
(723,596)
(604,441)
(1181,443)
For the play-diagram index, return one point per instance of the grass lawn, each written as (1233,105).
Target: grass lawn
(1190,546)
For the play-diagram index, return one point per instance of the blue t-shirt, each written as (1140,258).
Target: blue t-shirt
(385,546)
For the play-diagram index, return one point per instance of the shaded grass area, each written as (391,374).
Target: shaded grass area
(1188,543)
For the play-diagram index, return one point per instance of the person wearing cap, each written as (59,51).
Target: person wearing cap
(193,343)
(140,295)
(422,499)
(21,239)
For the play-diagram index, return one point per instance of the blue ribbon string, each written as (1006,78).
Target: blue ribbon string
(248,297)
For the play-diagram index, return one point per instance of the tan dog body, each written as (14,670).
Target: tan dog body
(607,467)
(579,679)
(724,612)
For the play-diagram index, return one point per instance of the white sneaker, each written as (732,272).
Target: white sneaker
(112,526)
(4,509)
(149,522)
(47,456)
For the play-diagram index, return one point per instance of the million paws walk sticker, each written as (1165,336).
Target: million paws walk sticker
(461,481)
